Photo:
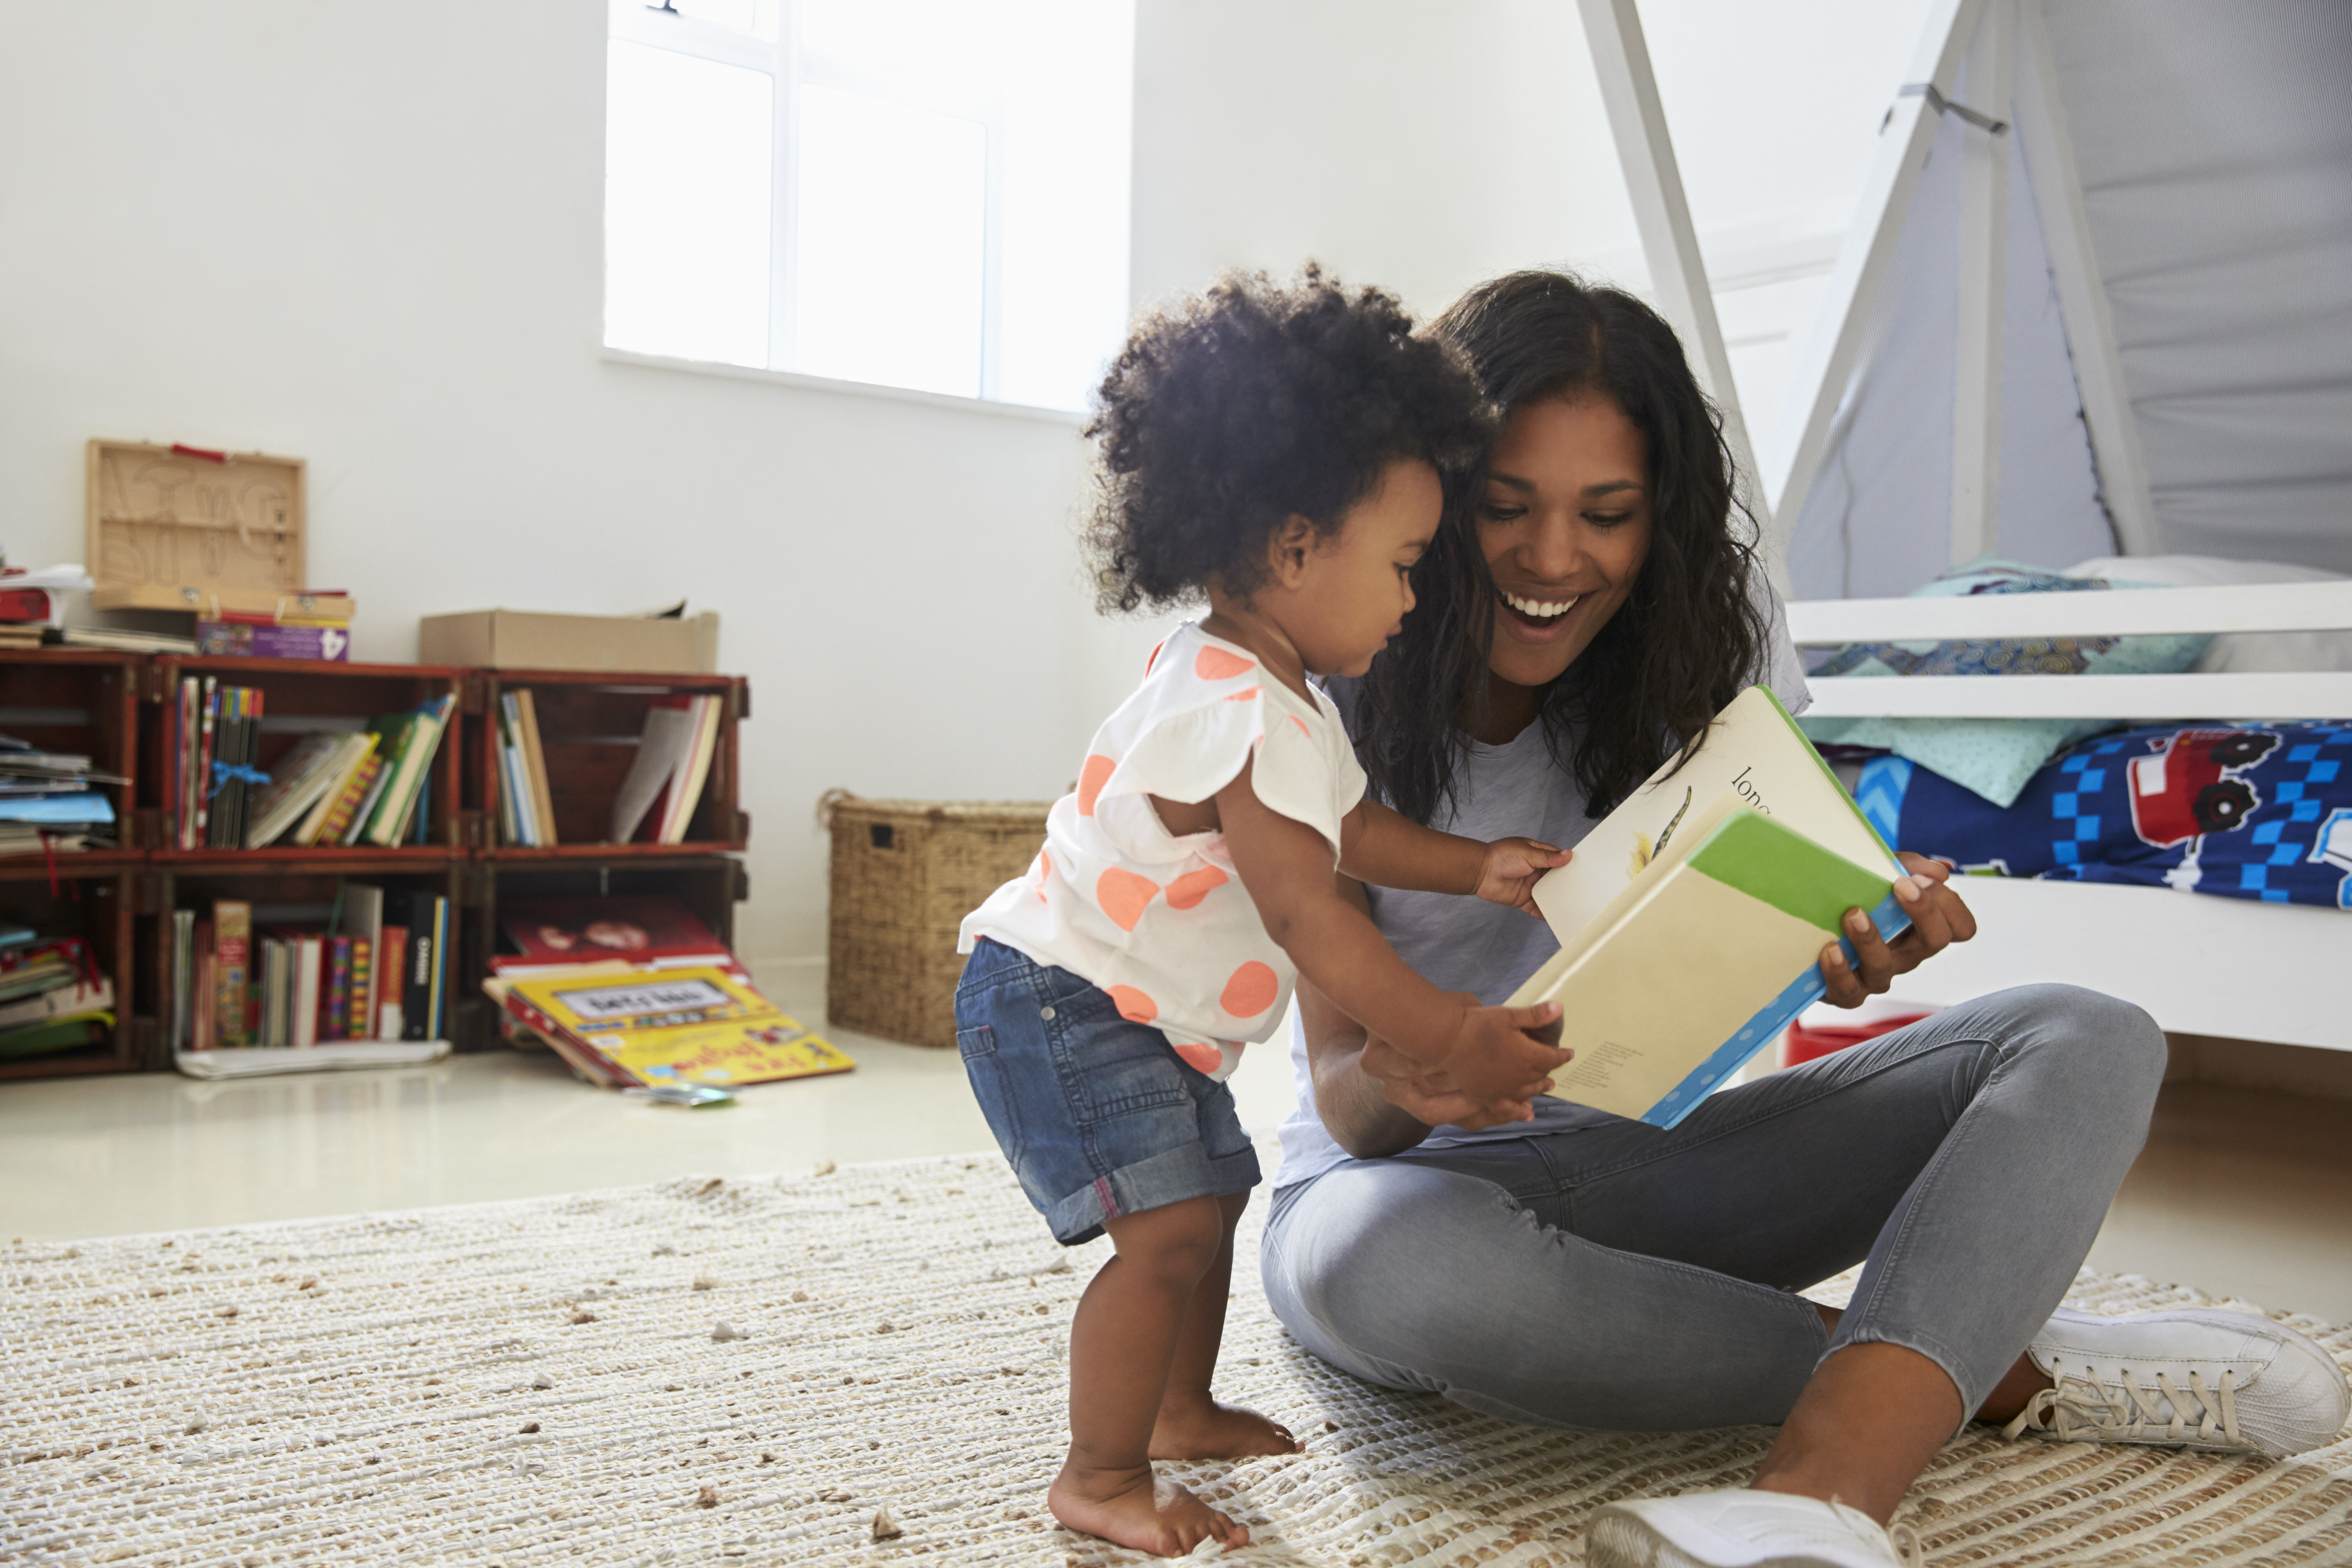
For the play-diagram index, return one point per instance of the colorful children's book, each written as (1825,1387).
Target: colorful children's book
(233,942)
(646,1026)
(575,930)
(1691,919)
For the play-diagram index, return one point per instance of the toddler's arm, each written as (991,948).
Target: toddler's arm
(1285,866)
(1379,846)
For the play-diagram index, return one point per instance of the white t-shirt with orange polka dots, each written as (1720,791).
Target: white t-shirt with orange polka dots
(1161,922)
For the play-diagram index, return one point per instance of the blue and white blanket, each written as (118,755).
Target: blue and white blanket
(2248,812)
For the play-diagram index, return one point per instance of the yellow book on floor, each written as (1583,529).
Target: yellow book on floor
(704,1025)
(1692,918)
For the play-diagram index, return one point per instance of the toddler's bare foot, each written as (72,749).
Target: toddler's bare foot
(1136,1508)
(1212,1431)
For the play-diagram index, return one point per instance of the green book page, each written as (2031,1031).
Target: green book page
(1774,864)
(1755,755)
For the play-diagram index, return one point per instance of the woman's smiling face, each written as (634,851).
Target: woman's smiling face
(1565,526)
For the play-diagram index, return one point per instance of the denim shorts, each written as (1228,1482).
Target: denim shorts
(1099,1116)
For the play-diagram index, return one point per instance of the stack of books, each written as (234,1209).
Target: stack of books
(313,625)
(634,992)
(46,801)
(353,976)
(673,762)
(52,995)
(369,785)
(526,804)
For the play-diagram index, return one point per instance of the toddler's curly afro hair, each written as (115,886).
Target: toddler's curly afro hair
(1227,413)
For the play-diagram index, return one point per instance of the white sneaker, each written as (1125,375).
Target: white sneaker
(1742,1529)
(2225,1381)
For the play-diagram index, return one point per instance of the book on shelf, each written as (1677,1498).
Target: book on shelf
(296,781)
(30,609)
(646,929)
(376,777)
(341,818)
(232,954)
(526,800)
(119,639)
(57,1035)
(334,1017)
(392,955)
(666,779)
(408,743)
(52,998)
(275,639)
(226,783)
(424,984)
(1692,917)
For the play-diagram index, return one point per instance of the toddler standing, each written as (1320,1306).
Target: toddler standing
(1287,454)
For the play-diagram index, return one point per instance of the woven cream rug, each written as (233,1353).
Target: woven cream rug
(754,1370)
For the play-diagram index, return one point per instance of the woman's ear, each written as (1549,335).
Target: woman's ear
(1289,547)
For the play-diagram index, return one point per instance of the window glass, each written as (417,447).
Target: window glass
(893,228)
(688,157)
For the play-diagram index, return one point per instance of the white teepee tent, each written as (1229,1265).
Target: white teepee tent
(2099,298)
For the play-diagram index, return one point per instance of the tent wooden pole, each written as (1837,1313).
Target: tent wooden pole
(1984,254)
(1620,58)
(1834,351)
(2082,293)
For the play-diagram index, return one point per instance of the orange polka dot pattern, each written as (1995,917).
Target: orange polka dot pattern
(1160,922)
(1251,990)
(1133,1004)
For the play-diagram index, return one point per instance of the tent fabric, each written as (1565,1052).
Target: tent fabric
(1877,523)
(2215,149)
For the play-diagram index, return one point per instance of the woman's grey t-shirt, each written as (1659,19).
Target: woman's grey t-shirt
(1457,943)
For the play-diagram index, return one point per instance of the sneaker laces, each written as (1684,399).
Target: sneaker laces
(2087,1410)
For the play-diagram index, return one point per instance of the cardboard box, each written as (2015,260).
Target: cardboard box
(527,640)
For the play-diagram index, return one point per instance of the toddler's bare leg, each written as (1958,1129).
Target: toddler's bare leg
(1123,1341)
(1192,1425)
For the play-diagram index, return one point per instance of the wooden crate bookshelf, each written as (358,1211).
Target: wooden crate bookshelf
(122,709)
(83,701)
(589,724)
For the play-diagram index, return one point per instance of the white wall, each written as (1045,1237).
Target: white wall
(369,235)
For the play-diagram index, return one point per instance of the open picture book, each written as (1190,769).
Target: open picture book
(1692,920)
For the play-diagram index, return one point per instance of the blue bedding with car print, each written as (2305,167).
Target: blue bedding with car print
(2254,811)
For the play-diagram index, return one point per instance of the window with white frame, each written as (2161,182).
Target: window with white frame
(924,193)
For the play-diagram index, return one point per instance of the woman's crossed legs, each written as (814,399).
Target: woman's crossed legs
(1624,1277)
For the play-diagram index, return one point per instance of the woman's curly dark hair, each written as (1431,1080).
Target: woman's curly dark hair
(1227,413)
(1684,642)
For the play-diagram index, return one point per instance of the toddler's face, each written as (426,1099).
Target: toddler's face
(1355,589)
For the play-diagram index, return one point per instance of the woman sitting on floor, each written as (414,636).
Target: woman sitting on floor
(1583,1271)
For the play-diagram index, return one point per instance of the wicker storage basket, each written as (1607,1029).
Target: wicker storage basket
(905,873)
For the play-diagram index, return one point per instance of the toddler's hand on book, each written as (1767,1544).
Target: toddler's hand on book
(1512,866)
(1495,1064)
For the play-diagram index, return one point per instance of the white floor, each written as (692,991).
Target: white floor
(2238,1192)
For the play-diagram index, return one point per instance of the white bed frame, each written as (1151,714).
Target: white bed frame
(2199,963)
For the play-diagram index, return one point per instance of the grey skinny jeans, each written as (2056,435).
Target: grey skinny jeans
(1623,1278)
